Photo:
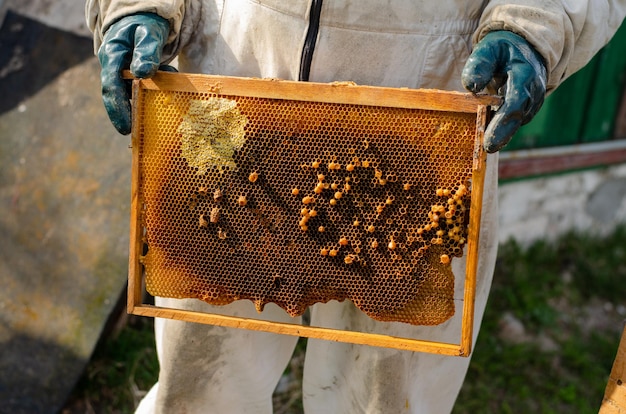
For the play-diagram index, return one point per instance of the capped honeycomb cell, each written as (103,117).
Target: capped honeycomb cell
(296,202)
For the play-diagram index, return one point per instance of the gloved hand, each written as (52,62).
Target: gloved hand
(517,71)
(134,41)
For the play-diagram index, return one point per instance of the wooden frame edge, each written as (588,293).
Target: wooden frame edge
(337,92)
(360,338)
(471,266)
(135,249)
(614,399)
(135,306)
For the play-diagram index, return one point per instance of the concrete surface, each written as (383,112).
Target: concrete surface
(64,206)
(66,15)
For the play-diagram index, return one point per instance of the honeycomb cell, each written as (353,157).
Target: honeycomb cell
(297,203)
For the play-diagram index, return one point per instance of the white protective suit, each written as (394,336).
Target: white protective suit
(397,43)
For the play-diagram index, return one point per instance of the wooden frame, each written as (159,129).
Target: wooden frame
(331,93)
(614,400)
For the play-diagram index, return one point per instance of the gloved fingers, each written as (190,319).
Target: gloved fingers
(519,107)
(481,69)
(117,104)
(148,48)
(134,42)
(508,64)
(536,90)
(114,55)
(500,130)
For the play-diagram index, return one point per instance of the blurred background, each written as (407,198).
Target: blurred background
(64,200)
(556,310)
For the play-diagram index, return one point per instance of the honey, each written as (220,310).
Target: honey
(409,173)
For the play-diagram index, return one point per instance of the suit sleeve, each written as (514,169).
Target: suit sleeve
(181,14)
(567,33)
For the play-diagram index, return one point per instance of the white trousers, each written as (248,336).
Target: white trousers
(209,369)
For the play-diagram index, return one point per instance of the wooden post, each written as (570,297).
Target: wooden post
(614,400)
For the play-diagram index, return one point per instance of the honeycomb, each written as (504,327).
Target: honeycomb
(298,202)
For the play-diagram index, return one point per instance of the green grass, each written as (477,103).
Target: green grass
(551,289)
(568,294)
(122,368)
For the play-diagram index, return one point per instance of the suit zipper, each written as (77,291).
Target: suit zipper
(309,41)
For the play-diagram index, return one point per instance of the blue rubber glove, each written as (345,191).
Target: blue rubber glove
(518,72)
(134,42)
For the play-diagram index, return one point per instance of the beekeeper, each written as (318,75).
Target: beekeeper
(524,48)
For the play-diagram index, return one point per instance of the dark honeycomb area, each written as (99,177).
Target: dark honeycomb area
(296,203)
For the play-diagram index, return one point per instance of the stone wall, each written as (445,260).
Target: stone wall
(544,208)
